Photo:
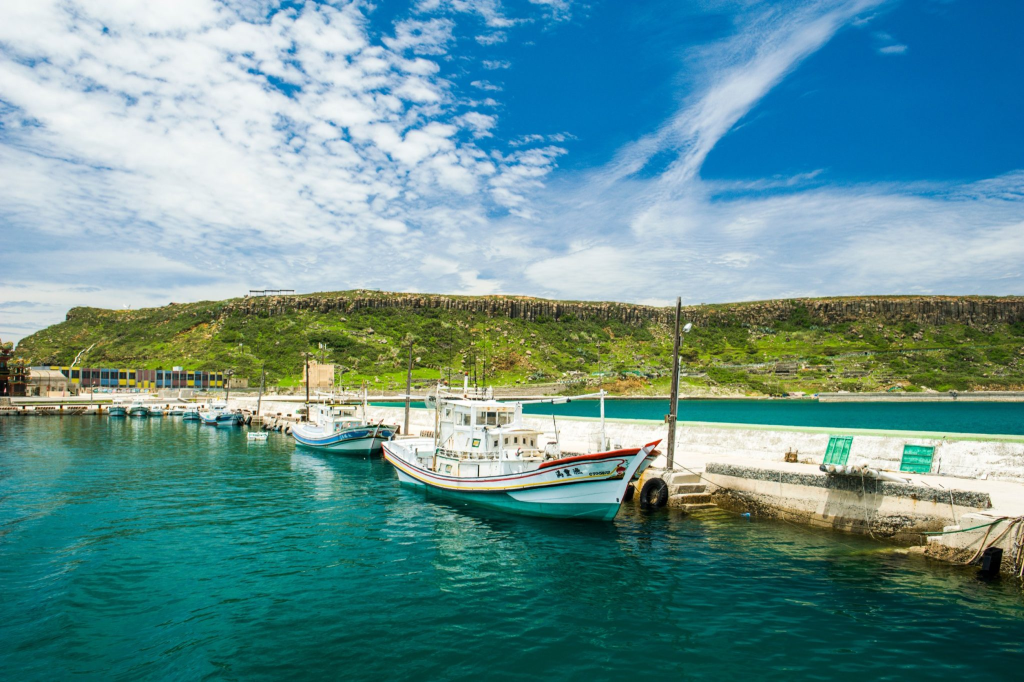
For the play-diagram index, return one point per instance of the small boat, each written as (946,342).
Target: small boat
(191,415)
(138,409)
(217,415)
(176,412)
(117,409)
(336,428)
(257,435)
(483,453)
(156,411)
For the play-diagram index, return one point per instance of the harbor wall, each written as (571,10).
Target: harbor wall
(849,503)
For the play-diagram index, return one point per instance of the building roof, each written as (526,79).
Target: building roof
(51,375)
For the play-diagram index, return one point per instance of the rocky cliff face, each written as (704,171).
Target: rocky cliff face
(973,311)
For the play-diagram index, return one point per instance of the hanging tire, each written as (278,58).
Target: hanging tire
(628,495)
(654,494)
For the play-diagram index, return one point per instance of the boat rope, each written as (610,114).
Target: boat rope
(964,530)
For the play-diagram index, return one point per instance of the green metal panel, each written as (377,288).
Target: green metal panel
(838,450)
(917,458)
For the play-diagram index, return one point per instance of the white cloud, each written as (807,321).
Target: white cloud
(492,38)
(893,49)
(208,148)
(486,85)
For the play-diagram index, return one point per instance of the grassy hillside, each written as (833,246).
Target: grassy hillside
(792,349)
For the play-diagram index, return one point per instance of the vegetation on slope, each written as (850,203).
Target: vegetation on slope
(797,351)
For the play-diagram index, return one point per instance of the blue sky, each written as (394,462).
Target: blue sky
(718,150)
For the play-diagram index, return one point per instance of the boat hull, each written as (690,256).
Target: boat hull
(138,412)
(117,412)
(359,441)
(587,487)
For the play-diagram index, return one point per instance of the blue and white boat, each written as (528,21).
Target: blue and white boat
(118,409)
(336,428)
(218,415)
(191,415)
(156,411)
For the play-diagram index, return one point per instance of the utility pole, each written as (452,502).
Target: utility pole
(408,390)
(305,417)
(673,407)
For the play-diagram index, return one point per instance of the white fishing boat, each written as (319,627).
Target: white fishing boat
(338,429)
(483,453)
(156,411)
(138,408)
(217,414)
(257,436)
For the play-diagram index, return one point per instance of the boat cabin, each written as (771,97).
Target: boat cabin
(334,418)
(484,438)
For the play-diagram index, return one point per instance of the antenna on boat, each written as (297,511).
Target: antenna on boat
(604,438)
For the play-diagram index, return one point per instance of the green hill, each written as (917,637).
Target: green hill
(855,344)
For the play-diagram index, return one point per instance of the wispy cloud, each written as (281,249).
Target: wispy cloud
(893,49)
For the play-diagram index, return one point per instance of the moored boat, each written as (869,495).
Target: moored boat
(156,411)
(217,414)
(138,409)
(117,409)
(336,428)
(191,415)
(483,453)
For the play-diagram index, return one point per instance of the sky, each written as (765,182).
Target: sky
(718,150)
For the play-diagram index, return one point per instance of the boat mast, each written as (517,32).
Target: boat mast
(604,438)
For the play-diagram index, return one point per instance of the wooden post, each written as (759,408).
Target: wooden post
(408,390)
(673,407)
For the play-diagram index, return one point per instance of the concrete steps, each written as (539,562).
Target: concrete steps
(686,488)
(687,491)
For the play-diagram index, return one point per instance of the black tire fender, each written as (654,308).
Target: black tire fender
(654,494)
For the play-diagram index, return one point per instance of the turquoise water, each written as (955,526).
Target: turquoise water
(156,549)
(948,417)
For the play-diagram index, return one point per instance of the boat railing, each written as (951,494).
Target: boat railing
(461,455)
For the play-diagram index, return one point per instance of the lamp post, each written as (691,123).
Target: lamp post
(673,407)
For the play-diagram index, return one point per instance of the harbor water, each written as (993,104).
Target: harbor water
(159,549)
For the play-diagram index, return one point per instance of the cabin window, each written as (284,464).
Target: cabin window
(531,442)
(504,418)
(492,418)
(515,440)
(495,442)
(463,419)
(506,440)
(447,413)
